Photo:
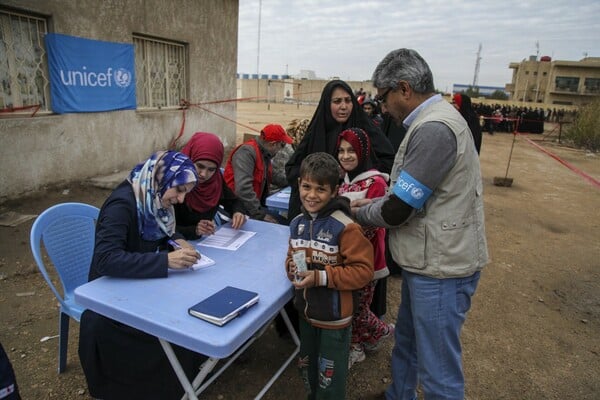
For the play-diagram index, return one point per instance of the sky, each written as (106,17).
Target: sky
(348,38)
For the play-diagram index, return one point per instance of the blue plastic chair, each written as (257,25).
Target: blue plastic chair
(67,231)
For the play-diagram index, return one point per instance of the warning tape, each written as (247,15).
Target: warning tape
(585,176)
(185,104)
(13,109)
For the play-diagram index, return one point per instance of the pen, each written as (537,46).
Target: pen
(176,245)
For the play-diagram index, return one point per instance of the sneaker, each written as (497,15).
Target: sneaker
(388,334)
(357,354)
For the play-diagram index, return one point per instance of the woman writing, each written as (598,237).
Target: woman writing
(195,217)
(338,109)
(134,227)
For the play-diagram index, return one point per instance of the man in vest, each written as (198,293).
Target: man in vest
(248,171)
(434,213)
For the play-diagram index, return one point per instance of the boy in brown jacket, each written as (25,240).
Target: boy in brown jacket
(329,259)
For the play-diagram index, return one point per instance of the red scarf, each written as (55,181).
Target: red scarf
(206,195)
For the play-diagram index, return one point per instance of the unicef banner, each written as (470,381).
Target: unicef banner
(90,75)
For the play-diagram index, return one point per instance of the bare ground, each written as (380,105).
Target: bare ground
(533,331)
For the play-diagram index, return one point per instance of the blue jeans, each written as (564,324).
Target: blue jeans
(427,335)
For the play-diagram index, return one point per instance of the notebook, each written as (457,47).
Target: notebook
(224,305)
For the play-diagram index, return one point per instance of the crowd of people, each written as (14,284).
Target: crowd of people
(507,118)
(387,184)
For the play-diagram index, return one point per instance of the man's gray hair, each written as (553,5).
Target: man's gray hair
(404,65)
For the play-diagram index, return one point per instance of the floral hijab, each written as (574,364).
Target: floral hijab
(150,180)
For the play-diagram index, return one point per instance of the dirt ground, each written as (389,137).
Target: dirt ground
(533,331)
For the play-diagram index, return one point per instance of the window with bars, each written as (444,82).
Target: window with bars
(23,62)
(161,72)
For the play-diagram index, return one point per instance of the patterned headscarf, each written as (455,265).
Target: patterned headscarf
(206,195)
(150,180)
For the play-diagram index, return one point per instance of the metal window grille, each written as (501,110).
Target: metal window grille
(161,72)
(23,62)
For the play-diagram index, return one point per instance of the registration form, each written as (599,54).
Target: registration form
(227,239)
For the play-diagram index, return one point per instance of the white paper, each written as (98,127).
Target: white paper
(226,238)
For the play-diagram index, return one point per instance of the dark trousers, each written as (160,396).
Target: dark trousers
(323,361)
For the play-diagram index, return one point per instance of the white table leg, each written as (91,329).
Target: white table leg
(187,386)
(287,362)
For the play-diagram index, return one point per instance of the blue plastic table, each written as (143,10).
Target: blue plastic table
(159,306)
(280,201)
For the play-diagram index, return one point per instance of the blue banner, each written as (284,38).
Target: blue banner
(90,75)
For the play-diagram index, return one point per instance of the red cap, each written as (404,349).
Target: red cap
(275,133)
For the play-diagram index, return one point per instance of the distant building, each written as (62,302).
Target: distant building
(484,91)
(306,74)
(574,83)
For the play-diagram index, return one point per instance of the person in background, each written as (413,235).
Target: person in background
(196,215)
(360,182)
(248,171)
(133,231)
(338,260)
(370,107)
(462,103)
(295,130)
(434,212)
(9,390)
(338,109)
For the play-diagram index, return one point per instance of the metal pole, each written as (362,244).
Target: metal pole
(258,53)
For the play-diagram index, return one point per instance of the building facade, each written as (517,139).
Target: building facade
(185,53)
(572,83)
(290,90)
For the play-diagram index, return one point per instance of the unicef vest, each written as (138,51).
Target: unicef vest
(446,238)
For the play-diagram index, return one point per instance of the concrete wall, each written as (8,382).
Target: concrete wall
(295,90)
(54,149)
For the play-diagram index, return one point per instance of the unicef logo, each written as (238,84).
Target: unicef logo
(416,193)
(122,77)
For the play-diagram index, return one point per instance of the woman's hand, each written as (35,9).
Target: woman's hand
(183,258)
(205,227)
(238,220)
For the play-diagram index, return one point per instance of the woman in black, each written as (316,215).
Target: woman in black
(338,110)
(462,103)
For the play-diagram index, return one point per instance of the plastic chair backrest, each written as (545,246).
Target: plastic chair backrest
(67,231)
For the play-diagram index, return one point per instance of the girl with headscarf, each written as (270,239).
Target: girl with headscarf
(132,233)
(462,103)
(361,181)
(338,109)
(195,217)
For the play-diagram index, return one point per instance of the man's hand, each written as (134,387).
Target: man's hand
(356,204)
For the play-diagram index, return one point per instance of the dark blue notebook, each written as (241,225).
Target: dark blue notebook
(224,305)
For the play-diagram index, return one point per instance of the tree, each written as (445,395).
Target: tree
(472,92)
(499,95)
